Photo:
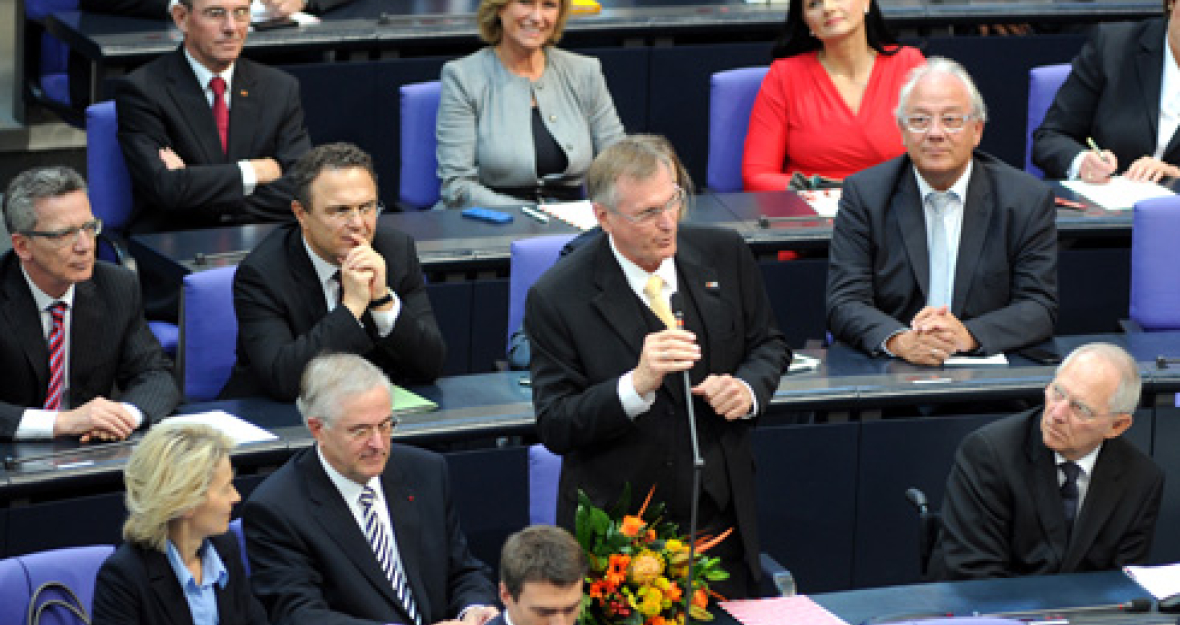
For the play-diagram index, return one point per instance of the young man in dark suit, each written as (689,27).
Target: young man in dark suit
(541,573)
(207,135)
(334,281)
(944,250)
(1054,489)
(606,368)
(356,528)
(74,330)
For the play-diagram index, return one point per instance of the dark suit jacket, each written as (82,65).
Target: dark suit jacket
(113,354)
(161,105)
(158,9)
(312,565)
(283,319)
(1005,277)
(1113,95)
(137,585)
(1002,513)
(587,328)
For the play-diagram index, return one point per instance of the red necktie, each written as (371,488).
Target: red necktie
(220,112)
(57,356)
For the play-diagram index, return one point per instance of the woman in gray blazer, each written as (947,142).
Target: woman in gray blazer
(520,120)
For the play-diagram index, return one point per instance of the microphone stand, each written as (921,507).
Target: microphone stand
(698,467)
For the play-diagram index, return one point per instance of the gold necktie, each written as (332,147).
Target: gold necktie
(655,298)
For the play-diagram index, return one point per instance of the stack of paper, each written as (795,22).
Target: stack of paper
(240,430)
(578,214)
(797,610)
(1118,194)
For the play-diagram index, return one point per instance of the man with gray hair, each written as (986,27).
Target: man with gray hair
(944,250)
(74,334)
(609,360)
(1054,489)
(355,528)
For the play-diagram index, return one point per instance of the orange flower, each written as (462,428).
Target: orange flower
(598,589)
(651,535)
(673,592)
(616,572)
(656,620)
(699,598)
(631,526)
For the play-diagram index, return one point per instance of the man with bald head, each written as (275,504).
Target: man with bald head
(944,250)
(1054,489)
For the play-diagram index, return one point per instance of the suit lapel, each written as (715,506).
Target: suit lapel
(1149,65)
(166,590)
(399,497)
(617,303)
(85,334)
(1046,493)
(244,110)
(906,207)
(307,284)
(1104,487)
(189,98)
(978,207)
(702,300)
(335,517)
(20,315)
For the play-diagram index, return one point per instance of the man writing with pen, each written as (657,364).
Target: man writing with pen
(944,250)
(335,281)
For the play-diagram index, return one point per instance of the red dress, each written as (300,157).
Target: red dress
(800,123)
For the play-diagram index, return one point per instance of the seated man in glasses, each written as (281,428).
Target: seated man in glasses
(74,330)
(334,281)
(944,250)
(1054,489)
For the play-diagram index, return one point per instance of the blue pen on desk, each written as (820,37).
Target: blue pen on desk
(535,214)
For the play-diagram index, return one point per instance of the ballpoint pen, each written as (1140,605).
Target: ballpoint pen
(1096,149)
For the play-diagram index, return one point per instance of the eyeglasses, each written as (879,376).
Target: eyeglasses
(923,123)
(358,433)
(1076,408)
(240,14)
(346,213)
(647,216)
(66,236)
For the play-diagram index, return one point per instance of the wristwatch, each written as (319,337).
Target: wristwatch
(381,301)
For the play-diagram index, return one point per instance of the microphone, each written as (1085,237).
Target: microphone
(1141,604)
(698,463)
(918,498)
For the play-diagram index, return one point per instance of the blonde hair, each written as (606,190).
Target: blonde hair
(487,18)
(169,474)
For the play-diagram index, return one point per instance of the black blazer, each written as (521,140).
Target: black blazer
(312,565)
(111,347)
(1005,276)
(1002,513)
(161,105)
(1113,95)
(587,328)
(283,318)
(137,585)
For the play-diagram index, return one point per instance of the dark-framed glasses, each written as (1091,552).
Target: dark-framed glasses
(63,236)
(674,206)
(949,123)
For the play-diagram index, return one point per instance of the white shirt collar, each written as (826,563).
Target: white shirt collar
(637,276)
(324,270)
(348,489)
(959,187)
(1086,462)
(42,300)
(204,75)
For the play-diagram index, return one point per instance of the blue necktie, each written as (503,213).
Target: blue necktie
(939,293)
(1069,492)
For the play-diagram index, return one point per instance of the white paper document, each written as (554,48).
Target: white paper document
(1161,581)
(239,429)
(975,361)
(578,214)
(1119,194)
(825,202)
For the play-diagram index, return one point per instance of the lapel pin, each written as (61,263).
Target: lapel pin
(244,93)
(410,497)
(712,284)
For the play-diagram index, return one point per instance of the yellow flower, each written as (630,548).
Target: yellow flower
(653,601)
(646,567)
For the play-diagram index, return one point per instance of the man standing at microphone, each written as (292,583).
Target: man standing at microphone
(606,368)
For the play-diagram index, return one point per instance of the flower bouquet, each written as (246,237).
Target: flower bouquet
(639,566)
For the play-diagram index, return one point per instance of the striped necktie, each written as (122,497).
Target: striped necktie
(57,356)
(382,545)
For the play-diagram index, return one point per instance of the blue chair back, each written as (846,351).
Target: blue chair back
(1043,83)
(529,259)
(1155,291)
(544,475)
(419,182)
(109,180)
(53,61)
(208,332)
(235,526)
(731,96)
(76,567)
(14,591)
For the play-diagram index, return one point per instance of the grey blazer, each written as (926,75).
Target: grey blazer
(484,127)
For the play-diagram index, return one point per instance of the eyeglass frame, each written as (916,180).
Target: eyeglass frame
(942,122)
(362,432)
(66,236)
(1076,408)
(239,15)
(344,214)
(678,202)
